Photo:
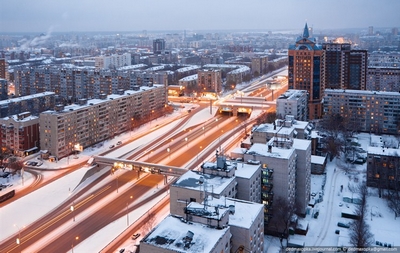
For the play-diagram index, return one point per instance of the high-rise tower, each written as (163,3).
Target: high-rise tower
(342,67)
(305,71)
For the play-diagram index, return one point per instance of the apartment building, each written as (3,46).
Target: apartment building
(383,160)
(210,197)
(210,81)
(383,79)
(3,89)
(34,104)
(259,65)
(343,67)
(113,61)
(20,133)
(92,121)
(176,235)
(304,71)
(3,69)
(293,102)
(366,111)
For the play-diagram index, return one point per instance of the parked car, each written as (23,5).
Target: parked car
(112,146)
(119,143)
(343,225)
(135,236)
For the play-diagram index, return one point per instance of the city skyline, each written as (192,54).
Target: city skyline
(48,16)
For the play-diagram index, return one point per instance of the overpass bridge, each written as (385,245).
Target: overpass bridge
(244,105)
(140,166)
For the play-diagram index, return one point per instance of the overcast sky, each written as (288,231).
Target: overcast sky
(131,15)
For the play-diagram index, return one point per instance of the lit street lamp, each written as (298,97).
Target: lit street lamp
(18,240)
(72,244)
(186,139)
(169,155)
(72,211)
(127,213)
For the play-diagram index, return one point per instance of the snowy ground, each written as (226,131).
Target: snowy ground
(322,230)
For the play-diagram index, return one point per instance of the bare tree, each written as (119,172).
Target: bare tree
(360,234)
(150,222)
(393,201)
(283,216)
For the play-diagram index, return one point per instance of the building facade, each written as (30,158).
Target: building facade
(20,134)
(293,102)
(383,79)
(305,71)
(383,168)
(366,111)
(158,46)
(210,81)
(34,104)
(96,120)
(342,67)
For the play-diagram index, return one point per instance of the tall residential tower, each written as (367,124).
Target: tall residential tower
(305,71)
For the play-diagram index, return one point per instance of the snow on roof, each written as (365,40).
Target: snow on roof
(316,159)
(301,144)
(171,232)
(95,101)
(384,151)
(190,180)
(194,67)
(262,149)
(245,170)
(130,67)
(245,211)
(189,78)
(18,99)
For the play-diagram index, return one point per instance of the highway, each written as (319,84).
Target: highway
(176,147)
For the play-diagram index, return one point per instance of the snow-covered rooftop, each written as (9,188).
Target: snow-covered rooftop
(172,231)
(191,180)
(262,149)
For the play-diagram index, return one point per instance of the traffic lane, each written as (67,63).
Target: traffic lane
(102,217)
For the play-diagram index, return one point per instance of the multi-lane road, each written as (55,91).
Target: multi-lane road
(176,147)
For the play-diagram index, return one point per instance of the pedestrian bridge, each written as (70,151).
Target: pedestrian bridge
(140,166)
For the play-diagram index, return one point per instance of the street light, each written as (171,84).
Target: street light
(169,155)
(127,213)
(72,244)
(18,240)
(72,211)
(186,139)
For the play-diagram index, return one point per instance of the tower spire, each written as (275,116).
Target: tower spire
(305,32)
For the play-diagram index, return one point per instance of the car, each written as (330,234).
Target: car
(343,225)
(337,231)
(33,163)
(340,204)
(39,164)
(313,194)
(112,146)
(28,163)
(135,236)
(119,143)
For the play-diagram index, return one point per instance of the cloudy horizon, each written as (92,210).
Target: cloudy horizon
(124,15)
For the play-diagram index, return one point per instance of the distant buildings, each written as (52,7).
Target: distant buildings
(367,111)
(3,69)
(113,61)
(305,71)
(158,46)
